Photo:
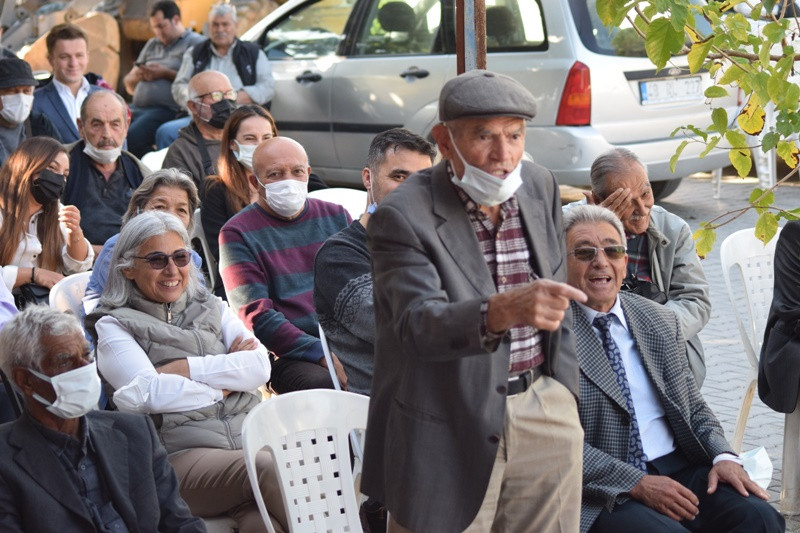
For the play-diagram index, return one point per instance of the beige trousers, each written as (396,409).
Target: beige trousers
(536,480)
(214,482)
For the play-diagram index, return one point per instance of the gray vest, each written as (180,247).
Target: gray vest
(186,328)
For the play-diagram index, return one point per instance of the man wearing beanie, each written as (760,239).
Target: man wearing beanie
(17,122)
(473,421)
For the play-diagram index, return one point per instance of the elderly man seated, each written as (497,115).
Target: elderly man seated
(654,456)
(64,466)
(662,262)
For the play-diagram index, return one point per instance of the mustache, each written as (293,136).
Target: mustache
(106,142)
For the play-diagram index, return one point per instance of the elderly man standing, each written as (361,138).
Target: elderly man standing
(267,262)
(211,100)
(65,466)
(663,264)
(243,62)
(473,418)
(102,176)
(150,79)
(655,457)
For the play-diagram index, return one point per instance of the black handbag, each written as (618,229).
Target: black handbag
(30,293)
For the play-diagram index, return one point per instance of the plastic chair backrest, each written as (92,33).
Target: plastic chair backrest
(154,160)
(307,434)
(753,260)
(67,294)
(353,200)
(211,263)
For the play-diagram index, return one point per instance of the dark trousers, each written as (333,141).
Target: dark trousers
(725,510)
(142,131)
(291,374)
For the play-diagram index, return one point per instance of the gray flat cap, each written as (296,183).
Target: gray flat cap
(15,73)
(481,93)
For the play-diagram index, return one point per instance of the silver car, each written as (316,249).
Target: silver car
(348,69)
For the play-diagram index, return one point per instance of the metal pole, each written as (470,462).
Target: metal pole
(470,35)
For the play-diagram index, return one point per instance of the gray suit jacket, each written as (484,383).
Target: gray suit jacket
(606,423)
(438,395)
(36,494)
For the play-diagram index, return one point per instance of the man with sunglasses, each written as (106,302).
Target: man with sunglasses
(196,150)
(655,457)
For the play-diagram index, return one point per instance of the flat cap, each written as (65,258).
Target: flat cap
(15,73)
(481,93)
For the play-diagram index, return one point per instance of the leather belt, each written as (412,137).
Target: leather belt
(520,384)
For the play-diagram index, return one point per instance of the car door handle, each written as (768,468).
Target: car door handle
(309,76)
(415,72)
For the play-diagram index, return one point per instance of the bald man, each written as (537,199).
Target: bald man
(267,264)
(211,100)
(102,176)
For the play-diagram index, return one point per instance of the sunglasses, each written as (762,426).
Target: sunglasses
(588,253)
(160,260)
(217,96)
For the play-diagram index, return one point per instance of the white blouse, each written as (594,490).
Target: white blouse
(141,389)
(29,249)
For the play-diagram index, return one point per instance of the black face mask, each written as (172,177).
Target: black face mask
(220,111)
(48,186)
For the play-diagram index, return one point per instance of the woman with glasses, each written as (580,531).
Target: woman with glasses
(41,240)
(168,190)
(170,349)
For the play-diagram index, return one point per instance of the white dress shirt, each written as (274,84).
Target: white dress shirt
(141,389)
(72,103)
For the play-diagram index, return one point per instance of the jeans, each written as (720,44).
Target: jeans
(142,132)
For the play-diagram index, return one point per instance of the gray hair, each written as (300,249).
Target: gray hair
(91,96)
(593,214)
(614,161)
(21,338)
(166,177)
(134,234)
(220,10)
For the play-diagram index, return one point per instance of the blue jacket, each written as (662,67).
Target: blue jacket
(47,101)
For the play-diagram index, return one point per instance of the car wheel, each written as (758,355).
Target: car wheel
(662,189)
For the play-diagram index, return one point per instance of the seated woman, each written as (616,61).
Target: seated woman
(41,240)
(170,349)
(168,190)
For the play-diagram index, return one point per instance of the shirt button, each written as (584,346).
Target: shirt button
(503,279)
(83,467)
(494,439)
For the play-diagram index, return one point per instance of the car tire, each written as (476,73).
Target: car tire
(662,189)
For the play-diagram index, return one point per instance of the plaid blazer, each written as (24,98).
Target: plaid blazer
(606,422)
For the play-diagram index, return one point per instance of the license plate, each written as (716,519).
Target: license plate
(671,90)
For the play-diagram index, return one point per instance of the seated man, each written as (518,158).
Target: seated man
(211,100)
(17,121)
(654,457)
(267,259)
(243,62)
(102,176)
(61,99)
(65,466)
(342,270)
(662,257)
(150,79)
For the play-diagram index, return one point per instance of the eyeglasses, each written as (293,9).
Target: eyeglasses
(588,253)
(217,96)
(159,260)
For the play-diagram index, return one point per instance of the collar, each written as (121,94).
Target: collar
(62,88)
(615,310)
(61,440)
(230,50)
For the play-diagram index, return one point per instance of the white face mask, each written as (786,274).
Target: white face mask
(286,197)
(244,154)
(484,188)
(77,391)
(16,107)
(106,156)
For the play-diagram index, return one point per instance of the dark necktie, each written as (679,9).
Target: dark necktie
(636,456)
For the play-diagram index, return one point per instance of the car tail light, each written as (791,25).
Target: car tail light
(575,108)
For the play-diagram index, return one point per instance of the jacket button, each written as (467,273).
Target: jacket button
(502,389)
(494,439)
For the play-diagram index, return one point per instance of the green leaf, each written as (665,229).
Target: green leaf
(763,55)
(769,5)
(612,12)
(662,42)
(710,146)
(736,139)
(697,55)
(704,241)
(719,116)
(732,73)
(792,214)
(755,13)
(678,14)
(715,91)
(769,141)
(766,227)
(738,27)
(761,204)
(774,32)
(787,150)
(674,159)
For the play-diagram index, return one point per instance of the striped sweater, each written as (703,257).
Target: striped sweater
(267,266)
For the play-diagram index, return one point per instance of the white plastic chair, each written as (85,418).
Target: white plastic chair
(211,263)
(154,160)
(306,433)
(353,200)
(753,260)
(67,294)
